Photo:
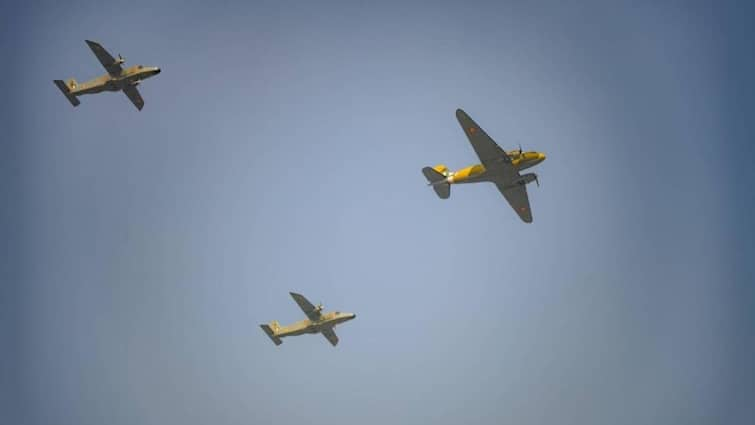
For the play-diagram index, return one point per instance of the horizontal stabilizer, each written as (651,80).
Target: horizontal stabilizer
(67,93)
(271,334)
(438,182)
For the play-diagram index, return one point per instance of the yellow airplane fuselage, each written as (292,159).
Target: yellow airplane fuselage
(107,82)
(306,326)
(477,173)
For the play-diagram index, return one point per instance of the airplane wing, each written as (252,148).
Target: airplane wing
(106,59)
(306,306)
(330,335)
(517,196)
(134,96)
(491,155)
(497,161)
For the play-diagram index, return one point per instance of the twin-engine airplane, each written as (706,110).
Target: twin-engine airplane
(498,166)
(317,322)
(116,78)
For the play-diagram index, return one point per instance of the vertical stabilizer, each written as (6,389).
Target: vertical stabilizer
(438,182)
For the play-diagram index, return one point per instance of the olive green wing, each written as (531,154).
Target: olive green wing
(133,95)
(312,313)
(107,60)
(330,335)
(516,195)
(491,155)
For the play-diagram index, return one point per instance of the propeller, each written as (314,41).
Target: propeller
(520,149)
(120,59)
(537,181)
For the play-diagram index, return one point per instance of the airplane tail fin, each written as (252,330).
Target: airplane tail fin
(66,89)
(438,182)
(270,331)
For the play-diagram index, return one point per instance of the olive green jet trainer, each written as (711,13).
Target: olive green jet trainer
(116,79)
(317,322)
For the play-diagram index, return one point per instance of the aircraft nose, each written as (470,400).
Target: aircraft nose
(542,156)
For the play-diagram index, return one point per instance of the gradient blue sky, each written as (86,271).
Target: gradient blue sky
(280,149)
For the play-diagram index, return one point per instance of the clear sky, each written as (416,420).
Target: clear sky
(280,150)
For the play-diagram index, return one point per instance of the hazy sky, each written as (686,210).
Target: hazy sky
(280,150)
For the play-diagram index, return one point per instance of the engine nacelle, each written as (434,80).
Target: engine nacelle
(119,60)
(526,178)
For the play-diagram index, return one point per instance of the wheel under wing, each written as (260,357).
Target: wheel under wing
(311,311)
(330,335)
(516,194)
(107,60)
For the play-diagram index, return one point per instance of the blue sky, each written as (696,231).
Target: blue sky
(280,150)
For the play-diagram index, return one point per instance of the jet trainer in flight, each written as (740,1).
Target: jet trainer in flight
(116,78)
(498,166)
(317,322)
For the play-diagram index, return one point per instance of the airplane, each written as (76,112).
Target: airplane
(498,166)
(316,322)
(116,79)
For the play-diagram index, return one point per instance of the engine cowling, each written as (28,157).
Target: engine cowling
(526,178)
